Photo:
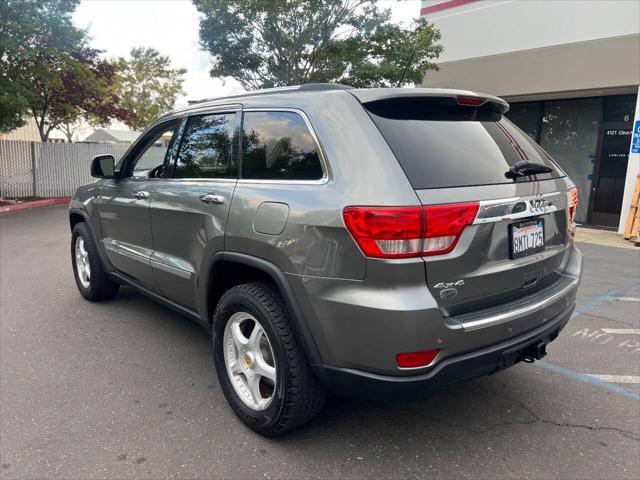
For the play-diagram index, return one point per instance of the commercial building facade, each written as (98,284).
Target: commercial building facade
(570,70)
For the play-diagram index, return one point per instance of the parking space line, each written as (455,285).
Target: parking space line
(626,299)
(621,331)
(617,378)
(600,299)
(611,387)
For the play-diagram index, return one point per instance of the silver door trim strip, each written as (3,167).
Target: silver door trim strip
(126,251)
(179,272)
(497,319)
(171,264)
(152,259)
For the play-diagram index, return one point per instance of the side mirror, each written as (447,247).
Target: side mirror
(103,166)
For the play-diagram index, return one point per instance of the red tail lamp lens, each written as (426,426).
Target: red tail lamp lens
(573,203)
(470,101)
(416,359)
(403,232)
(444,224)
(386,232)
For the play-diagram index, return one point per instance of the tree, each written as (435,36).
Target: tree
(69,130)
(266,43)
(148,86)
(28,25)
(49,71)
(12,106)
(72,86)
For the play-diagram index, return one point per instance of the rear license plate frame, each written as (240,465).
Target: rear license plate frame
(539,222)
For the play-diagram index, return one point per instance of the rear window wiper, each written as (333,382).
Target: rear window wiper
(524,168)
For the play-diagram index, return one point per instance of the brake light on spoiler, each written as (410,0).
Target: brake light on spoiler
(470,101)
(405,232)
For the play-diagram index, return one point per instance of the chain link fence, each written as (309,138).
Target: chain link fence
(35,169)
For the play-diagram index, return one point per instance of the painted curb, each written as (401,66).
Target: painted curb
(47,202)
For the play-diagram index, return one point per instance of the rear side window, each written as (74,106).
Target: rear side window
(453,146)
(278,146)
(207,149)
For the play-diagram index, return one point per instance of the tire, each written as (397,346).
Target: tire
(297,396)
(98,285)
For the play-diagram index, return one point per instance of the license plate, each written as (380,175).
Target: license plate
(527,238)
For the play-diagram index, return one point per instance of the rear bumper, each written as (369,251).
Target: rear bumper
(360,326)
(476,363)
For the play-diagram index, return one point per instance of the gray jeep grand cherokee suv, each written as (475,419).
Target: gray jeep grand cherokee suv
(379,243)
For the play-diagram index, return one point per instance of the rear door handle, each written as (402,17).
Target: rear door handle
(212,198)
(141,194)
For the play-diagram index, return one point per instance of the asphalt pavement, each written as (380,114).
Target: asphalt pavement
(126,389)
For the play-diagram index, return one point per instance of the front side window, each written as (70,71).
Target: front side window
(150,155)
(207,150)
(278,146)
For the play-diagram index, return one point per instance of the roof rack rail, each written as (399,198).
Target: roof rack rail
(324,86)
(307,87)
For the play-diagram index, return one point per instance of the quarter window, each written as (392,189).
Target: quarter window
(207,148)
(278,146)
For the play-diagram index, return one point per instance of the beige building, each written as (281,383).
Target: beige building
(29,133)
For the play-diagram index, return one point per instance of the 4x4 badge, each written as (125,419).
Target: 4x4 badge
(459,283)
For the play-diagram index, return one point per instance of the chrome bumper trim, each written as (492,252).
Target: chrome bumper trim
(492,320)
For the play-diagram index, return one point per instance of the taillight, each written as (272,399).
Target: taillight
(403,232)
(416,359)
(386,232)
(444,224)
(572,195)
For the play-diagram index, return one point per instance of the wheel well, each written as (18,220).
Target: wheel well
(226,275)
(74,219)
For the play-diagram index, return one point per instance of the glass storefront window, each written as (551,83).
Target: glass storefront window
(527,117)
(619,109)
(569,129)
(570,135)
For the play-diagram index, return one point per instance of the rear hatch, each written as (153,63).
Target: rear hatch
(494,234)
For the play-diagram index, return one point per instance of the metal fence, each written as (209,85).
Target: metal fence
(35,169)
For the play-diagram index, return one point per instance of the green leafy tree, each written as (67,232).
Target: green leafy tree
(47,70)
(148,86)
(29,27)
(71,86)
(267,43)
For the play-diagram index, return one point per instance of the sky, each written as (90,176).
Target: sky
(171,27)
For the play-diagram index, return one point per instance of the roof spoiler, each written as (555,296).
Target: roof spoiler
(435,96)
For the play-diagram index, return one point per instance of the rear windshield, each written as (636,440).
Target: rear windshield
(453,146)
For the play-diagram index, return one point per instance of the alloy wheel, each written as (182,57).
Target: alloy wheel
(250,360)
(82,262)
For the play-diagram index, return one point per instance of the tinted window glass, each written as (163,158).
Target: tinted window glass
(527,117)
(278,146)
(450,146)
(151,152)
(619,108)
(207,150)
